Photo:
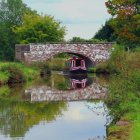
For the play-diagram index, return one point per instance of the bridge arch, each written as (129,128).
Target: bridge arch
(88,61)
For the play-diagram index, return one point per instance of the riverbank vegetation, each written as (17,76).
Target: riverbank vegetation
(124,92)
(11,72)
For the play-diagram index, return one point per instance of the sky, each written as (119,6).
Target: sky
(82,18)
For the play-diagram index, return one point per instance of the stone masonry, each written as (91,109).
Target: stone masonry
(42,52)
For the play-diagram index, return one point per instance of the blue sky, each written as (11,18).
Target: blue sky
(82,18)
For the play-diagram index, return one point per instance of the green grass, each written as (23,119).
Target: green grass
(3,77)
(4,91)
(134,117)
(126,132)
(57,64)
(135,134)
(15,70)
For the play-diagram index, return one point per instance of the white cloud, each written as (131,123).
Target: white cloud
(81,17)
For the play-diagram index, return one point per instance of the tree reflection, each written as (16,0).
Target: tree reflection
(16,118)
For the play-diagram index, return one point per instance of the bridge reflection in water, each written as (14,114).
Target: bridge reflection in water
(79,87)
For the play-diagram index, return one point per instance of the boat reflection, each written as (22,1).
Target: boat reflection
(78,84)
(79,81)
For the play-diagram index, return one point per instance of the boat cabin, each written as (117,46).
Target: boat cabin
(76,64)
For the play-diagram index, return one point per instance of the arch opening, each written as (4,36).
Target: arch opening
(81,60)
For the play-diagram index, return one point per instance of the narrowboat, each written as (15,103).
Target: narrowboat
(76,65)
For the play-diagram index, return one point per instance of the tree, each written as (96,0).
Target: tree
(126,19)
(11,14)
(106,33)
(82,40)
(39,29)
(77,39)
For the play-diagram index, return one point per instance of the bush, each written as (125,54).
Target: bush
(4,91)
(15,74)
(124,89)
(102,68)
(57,64)
(4,76)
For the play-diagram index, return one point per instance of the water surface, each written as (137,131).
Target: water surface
(68,113)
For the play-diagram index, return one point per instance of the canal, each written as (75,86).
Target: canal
(55,107)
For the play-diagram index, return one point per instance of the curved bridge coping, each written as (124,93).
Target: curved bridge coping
(98,52)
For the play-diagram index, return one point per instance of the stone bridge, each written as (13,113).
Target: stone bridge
(93,53)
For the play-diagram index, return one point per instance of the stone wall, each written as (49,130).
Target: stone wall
(20,51)
(42,52)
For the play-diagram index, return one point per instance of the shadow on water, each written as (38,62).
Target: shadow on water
(27,113)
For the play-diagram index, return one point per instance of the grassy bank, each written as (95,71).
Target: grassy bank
(124,103)
(56,64)
(124,92)
(12,72)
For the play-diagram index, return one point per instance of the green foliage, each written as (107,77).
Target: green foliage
(123,102)
(125,22)
(4,76)
(57,64)
(81,40)
(124,90)
(135,127)
(92,70)
(20,24)
(136,49)
(77,40)
(39,29)
(62,86)
(122,95)
(103,68)
(45,69)
(106,33)
(95,40)
(11,14)
(17,73)
(4,91)
(124,61)
(62,55)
